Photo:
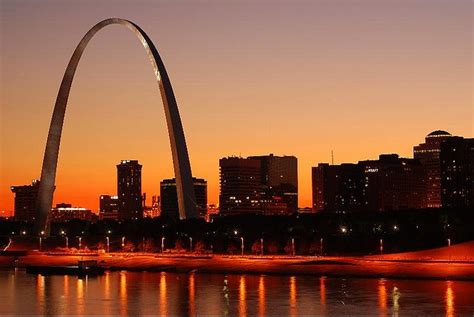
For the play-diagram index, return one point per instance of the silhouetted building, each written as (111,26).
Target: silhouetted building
(428,154)
(240,185)
(393,183)
(153,210)
(457,172)
(389,183)
(25,201)
(169,198)
(129,189)
(108,207)
(279,177)
(65,212)
(338,188)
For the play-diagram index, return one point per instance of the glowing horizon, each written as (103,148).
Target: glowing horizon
(250,79)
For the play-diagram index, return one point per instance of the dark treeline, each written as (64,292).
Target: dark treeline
(313,234)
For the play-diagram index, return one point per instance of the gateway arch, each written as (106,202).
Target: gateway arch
(182,168)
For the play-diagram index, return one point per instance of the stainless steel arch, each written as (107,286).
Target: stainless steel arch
(182,168)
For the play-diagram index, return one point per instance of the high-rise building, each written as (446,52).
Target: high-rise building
(240,185)
(428,154)
(279,177)
(129,189)
(25,201)
(108,207)
(457,172)
(393,183)
(338,188)
(169,197)
(389,183)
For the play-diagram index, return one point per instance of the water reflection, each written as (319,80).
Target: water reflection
(242,297)
(163,295)
(192,305)
(449,299)
(292,296)
(167,294)
(322,294)
(382,290)
(261,296)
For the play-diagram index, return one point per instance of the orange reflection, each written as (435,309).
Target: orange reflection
(80,296)
(40,293)
(261,296)
(192,306)
(292,296)
(242,297)
(163,295)
(382,288)
(322,292)
(123,293)
(449,299)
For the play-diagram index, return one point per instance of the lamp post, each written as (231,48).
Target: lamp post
(41,240)
(321,245)
(261,246)
(242,245)
(449,242)
(190,244)
(293,246)
(381,246)
(67,242)
(80,242)
(162,244)
(123,243)
(108,244)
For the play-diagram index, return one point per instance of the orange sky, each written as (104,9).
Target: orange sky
(296,78)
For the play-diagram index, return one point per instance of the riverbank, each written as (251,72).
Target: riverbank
(450,263)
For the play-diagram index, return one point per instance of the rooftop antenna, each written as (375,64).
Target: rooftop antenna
(332,157)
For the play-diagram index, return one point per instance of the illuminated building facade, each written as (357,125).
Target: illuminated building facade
(389,183)
(457,172)
(65,212)
(169,198)
(240,186)
(25,201)
(108,207)
(279,177)
(338,188)
(129,189)
(428,154)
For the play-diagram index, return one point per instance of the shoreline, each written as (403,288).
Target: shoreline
(340,267)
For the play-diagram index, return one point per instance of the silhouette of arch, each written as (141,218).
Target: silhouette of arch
(182,168)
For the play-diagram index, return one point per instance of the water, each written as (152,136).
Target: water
(166,294)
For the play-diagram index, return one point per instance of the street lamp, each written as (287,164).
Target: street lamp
(190,244)
(123,243)
(162,244)
(261,246)
(41,240)
(449,242)
(23,232)
(67,242)
(108,244)
(343,229)
(381,246)
(80,242)
(242,245)
(293,246)
(321,245)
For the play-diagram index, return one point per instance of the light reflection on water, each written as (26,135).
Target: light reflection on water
(167,294)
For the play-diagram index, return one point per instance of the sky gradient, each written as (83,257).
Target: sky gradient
(290,78)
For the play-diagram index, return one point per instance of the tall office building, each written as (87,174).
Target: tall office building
(338,188)
(169,197)
(428,154)
(457,172)
(279,177)
(240,185)
(393,183)
(25,201)
(129,189)
(389,183)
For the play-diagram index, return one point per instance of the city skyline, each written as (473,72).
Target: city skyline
(398,108)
